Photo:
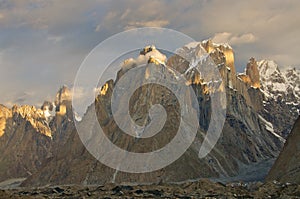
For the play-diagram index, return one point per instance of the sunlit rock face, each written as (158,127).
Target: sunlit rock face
(36,117)
(209,46)
(243,84)
(64,94)
(104,89)
(253,73)
(5,113)
(245,78)
(63,101)
(147,54)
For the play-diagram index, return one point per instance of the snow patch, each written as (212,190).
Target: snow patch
(77,117)
(269,127)
(279,87)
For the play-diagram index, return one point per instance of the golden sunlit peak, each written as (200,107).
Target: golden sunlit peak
(147,49)
(155,60)
(104,89)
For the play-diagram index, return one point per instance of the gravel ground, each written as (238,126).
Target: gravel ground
(200,189)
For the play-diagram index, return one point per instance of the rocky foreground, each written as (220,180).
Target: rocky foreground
(200,189)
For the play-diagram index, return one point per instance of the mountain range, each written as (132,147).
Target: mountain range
(41,146)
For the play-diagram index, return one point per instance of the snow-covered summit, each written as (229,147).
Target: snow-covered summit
(276,83)
(148,53)
(216,45)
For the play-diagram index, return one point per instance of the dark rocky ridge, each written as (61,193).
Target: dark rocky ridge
(287,166)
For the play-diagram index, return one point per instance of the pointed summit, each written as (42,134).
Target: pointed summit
(210,46)
(63,94)
(253,72)
(63,101)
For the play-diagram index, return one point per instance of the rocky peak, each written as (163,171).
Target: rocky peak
(147,54)
(253,73)
(35,116)
(47,108)
(225,48)
(198,54)
(63,94)
(155,60)
(223,56)
(251,76)
(4,111)
(63,101)
(147,49)
(279,84)
(151,51)
(220,55)
(268,68)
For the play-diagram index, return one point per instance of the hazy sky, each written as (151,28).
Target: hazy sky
(43,42)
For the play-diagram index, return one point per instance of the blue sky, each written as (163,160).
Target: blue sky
(43,42)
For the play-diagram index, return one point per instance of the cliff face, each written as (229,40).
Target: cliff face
(5,113)
(251,76)
(253,73)
(287,165)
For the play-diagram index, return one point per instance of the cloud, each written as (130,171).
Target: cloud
(45,14)
(267,27)
(153,23)
(124,15)
(19,98)
(226,37)
(42,43)
(245,38)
